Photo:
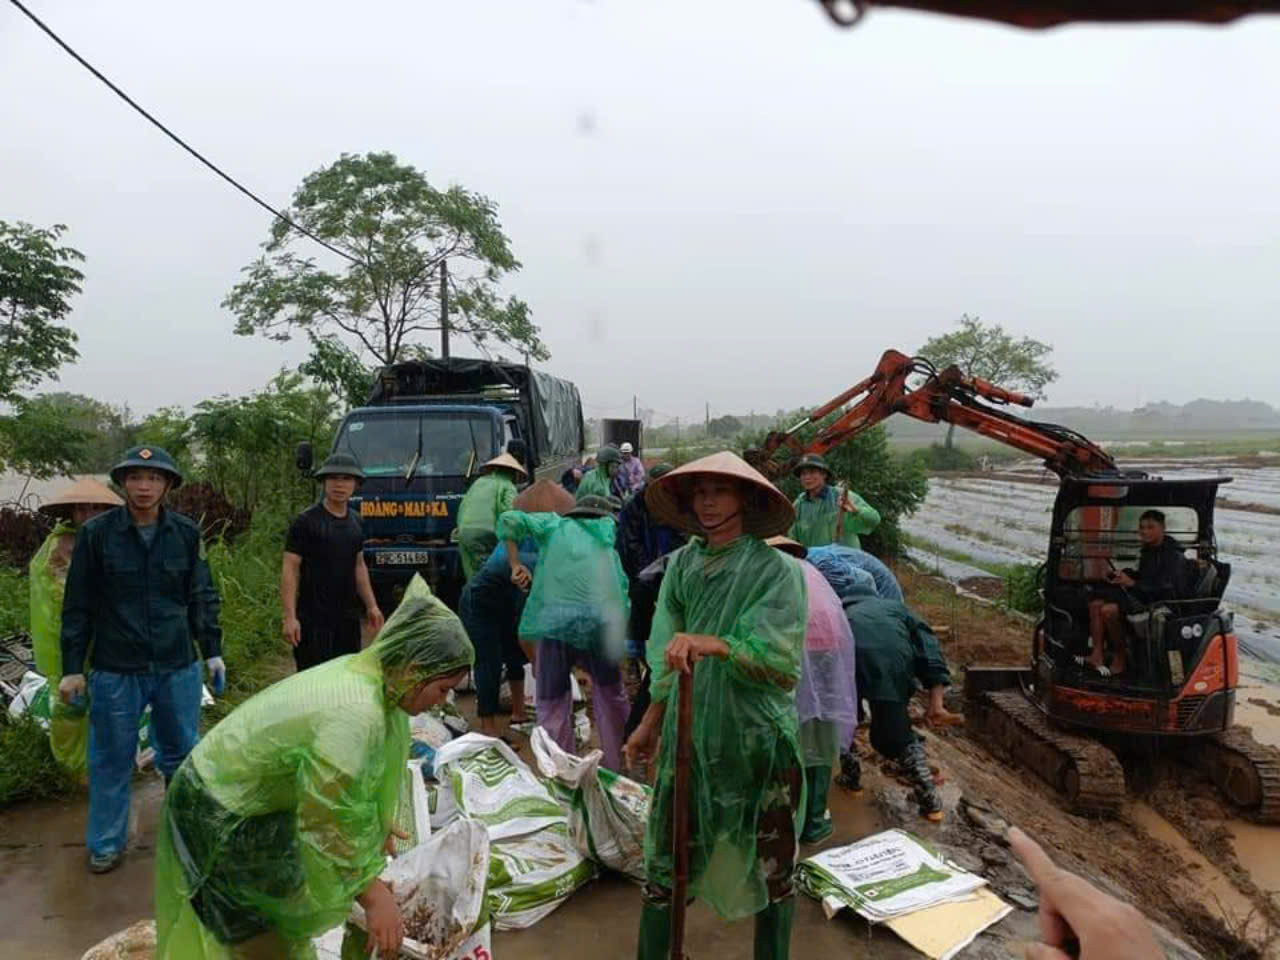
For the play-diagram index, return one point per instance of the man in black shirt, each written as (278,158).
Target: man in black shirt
(1161,576)
(323,579)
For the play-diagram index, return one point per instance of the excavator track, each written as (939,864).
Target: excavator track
(1246,771)
(1087,773)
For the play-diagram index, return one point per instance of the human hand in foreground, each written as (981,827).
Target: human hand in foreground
(1120,579)
(1073,911)
(71,687)
(383,920)
(686,649)
(375,618)
(642,745)
(392,837)
(521,577)
(291,629)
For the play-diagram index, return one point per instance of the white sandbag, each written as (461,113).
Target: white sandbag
(489,783)
(32,697)
(137,942)
(607,812)
(440,887)
(531,875)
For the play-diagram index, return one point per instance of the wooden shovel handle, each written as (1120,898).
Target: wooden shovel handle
(682,799)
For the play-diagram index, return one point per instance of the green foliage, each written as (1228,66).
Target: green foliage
(399,229)
(1022,588)
(15,601)
(36,284)
(936,458)
(27,768)
(247,576)
(894,485)
(726,426)
(987,351)
(247,442)
(338,367)
(40,440)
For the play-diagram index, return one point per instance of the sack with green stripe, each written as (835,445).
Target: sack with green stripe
(607,812)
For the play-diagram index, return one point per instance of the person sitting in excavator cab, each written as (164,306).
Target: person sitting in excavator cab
(1163,574)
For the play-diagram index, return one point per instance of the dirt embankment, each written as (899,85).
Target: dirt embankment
(1172,851)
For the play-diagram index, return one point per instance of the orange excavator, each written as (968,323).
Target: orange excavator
(1056,715)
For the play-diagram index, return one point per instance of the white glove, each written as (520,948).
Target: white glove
(217,675)
(71,687)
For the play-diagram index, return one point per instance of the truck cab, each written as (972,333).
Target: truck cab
(428,428)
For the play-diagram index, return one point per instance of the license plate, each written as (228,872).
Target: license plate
(403,558)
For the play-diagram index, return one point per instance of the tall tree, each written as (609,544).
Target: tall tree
(37,281)
(988,351)
(398,230)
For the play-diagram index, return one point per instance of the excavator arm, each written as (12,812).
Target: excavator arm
(941,397)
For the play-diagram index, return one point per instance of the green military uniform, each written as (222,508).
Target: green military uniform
(818,517)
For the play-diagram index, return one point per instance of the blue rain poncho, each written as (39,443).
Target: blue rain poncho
(744,726)
(843,566)
(276,820)
(579,592)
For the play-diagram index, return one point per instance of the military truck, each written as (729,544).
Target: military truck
(427,428)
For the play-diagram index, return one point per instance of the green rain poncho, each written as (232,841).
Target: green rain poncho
(596,483)
(489,496)
(579,594)
(68,728)
(277,819)
(745,727)
(815,524)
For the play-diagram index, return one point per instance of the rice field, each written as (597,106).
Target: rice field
(997,519)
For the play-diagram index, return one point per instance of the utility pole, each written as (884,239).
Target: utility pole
(444,309)
(635,408)
(707,422)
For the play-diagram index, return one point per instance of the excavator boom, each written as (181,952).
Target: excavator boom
(946,396)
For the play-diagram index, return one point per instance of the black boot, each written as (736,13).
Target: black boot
(850,775)
(817,819)
(655,931)
(773,930)
(916,766)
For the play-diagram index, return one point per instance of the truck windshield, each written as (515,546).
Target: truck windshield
(386,444)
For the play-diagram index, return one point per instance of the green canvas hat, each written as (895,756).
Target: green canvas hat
(152,458)
(339,465)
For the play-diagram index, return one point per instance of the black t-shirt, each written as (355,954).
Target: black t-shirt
(328,546)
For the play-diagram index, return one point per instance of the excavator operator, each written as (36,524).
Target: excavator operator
(1162,575)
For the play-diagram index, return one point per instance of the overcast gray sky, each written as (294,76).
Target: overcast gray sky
(725,202)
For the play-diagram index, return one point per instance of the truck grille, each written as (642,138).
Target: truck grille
(1188,707)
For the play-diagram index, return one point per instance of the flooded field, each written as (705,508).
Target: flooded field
(987,520)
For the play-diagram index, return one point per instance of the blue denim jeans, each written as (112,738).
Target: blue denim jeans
(116,702)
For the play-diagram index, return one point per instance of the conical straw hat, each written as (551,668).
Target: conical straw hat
(504,461)
(545,496)
(767,512)
(84,490)
(787,545)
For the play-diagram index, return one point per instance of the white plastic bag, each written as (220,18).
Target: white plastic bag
(531,875)
(440,887)
(607,812)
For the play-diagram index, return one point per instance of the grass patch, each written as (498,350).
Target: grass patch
(1021,580)
(27,768)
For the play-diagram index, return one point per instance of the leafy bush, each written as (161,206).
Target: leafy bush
(894,485)
(936,458)
(217,516)
(1022,588)
(15,601)
(27,768)
(21,534)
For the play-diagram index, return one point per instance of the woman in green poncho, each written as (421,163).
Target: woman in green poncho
(281,816)
(72,509)
(738,606)
(488,498)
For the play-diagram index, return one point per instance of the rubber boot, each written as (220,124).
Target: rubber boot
(773,930)
(850,775)
(916,766)
(817,820)
(655,931)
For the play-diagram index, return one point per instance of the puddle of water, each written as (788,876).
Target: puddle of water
(1256,847)
(1211,887)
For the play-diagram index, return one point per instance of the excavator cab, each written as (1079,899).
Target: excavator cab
(1182,659)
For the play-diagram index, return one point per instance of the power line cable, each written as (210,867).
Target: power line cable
(178,140)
